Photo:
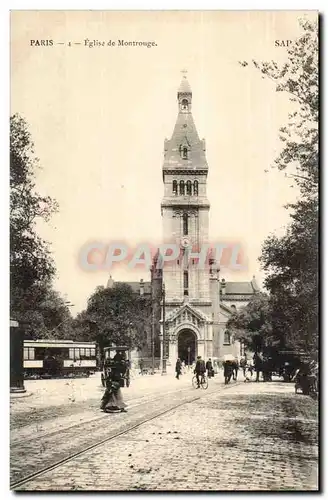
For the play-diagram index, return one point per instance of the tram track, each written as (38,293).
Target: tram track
(132,403)
(130,427)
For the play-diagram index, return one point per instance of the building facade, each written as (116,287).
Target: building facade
(191,302)
(197,304)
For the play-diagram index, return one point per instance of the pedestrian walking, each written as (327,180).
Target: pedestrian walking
(112,400)
(243,364)
(235,369)
(178,368)
(200,369)
(209,368)
(258,365)
(141,366)
(228,369)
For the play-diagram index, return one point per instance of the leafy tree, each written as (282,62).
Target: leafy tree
(291,262)
(114,316)
(41,310)
(299,78)
(30,260)
(252,324)
(44,313)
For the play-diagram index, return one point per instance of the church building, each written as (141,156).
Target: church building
(191,302)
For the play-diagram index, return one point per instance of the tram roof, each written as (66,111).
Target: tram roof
(117,348)
(58,343)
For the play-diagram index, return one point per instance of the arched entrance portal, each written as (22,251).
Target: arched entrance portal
(187,346)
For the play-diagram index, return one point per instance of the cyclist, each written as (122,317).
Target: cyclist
(200,369)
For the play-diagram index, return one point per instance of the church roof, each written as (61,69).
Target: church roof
(135,285)
(233,289)
(238,287)
(241,287)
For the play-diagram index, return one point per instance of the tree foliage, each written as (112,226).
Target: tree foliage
(114,316)
(252,324)
(45,314)
(33,301)
(290,262)
(299,78)
(30,258)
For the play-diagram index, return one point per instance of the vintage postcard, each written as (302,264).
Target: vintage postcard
(164,251)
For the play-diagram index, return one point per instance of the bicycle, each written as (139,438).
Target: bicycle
(203,381)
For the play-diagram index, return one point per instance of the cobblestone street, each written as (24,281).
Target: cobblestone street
(253,436)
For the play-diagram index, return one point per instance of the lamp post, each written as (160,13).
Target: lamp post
(94,330)
(189,357)
(16,357)
(164,333)
(152,339)
(130,342)
(152,333)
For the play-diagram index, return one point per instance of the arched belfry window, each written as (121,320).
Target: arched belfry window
(188,186)
(185,153)
(185,224)
(175,187)
(182,187)
(184,104)
(196,188)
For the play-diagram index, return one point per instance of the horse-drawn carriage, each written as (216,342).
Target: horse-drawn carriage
(116,359)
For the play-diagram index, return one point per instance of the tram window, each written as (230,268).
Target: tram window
(71,354)
(82,352)
(87,353)
(40,353)
(25,353)
(31,353)
(93,352)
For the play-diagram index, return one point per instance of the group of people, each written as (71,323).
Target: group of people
(199,370)
(255,365)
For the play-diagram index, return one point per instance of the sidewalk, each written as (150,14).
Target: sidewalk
(56,392)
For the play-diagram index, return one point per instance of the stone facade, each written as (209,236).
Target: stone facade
(197,304)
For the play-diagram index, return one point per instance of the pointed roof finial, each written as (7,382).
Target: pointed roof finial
(184,85)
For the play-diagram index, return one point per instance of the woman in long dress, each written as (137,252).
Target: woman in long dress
(112,399)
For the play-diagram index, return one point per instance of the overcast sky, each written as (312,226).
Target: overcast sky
(99,117)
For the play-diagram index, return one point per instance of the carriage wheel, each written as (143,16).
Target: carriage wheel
(194,382)
(204,383)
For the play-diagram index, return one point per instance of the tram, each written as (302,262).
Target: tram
(58,358)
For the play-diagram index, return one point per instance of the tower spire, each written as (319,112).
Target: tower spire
(184,85)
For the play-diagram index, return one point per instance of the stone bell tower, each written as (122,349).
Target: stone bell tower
(185,216)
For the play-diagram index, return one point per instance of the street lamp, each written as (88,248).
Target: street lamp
(152,347)
(189,349)
(164,334)
(130,342)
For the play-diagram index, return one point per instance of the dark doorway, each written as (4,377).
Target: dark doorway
(187,346)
